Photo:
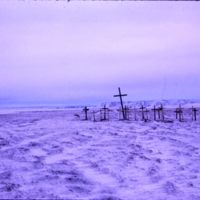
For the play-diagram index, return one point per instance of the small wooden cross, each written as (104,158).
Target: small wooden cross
(194,114)
(105,113)
(120,95)
(86,112)
(179,113)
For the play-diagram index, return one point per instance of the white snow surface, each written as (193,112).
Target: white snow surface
(53,155)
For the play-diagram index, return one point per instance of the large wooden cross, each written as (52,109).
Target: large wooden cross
(120,95)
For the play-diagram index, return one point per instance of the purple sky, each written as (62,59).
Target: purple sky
(80,52)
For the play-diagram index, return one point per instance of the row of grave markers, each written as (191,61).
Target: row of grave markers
(158,112)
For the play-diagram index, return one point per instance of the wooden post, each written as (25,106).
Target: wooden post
(154,112)
(142,108)
(176,111)
(86,112)
(161,112)
(146,116)
(126,109)
(119,110)
(158,113)
(120,95)
(180,114)
(135,114)
(94,118)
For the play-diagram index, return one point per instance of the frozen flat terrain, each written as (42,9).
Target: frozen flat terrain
(53,155)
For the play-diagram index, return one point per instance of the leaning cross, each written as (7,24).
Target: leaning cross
(120,95)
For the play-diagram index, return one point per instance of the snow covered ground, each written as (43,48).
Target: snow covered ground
(52,155)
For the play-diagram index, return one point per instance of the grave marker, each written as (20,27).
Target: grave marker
(194,114)
(104,112)
(86,112)
(120,95)
(179,113)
